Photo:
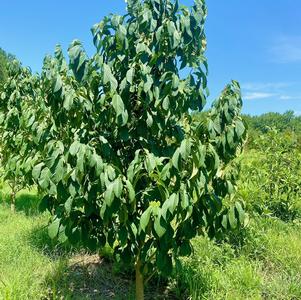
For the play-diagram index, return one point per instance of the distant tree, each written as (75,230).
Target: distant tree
(5,58)
(287,121)
(16,96)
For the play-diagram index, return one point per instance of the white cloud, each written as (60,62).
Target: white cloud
(286,49)
(277,90)
(258,95)
(287,97)
(259,86)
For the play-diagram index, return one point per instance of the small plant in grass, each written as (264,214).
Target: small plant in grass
(121,160)
(17,96)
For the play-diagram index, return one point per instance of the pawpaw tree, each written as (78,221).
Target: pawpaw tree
(18,102)
(120,160)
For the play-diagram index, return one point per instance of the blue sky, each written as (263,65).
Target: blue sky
(257,42)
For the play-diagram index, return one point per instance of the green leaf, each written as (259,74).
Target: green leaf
(74,148)
(185,149)
(108,77)
(176,159)
(117,187)
(149,120)
(130,75)
(230,137)
(150,162)
(158,226)
(118,106)
(74,50)
(80,162)
(53,228)
(232,218)
(59,170)
(68,205)
(131,191)
(97,162)
(170,205)
(241,213)
(148,84)
(225,221)
(145,217)
(171,28)
(176,39)
(58,84)
(165,104)
(36,171)
(165,173)
(44,180)
(239,128)
(68,100)
(134,229)
(78,60)
(109,195)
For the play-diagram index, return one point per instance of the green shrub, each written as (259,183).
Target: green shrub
(271,176)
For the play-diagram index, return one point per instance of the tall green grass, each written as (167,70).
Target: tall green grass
(267,266)
(23,268)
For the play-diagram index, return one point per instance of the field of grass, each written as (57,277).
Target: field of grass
(23,266)
(267,265)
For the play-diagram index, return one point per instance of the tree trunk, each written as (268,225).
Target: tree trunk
(139,282)
(13,202)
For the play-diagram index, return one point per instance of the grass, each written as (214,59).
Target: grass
(267,265)
(33,267)
(22,267)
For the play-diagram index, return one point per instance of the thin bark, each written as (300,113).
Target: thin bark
(139,282)
(13,202)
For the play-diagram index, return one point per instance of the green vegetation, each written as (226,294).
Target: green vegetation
(271,177)
(22,267)
(117,191)
(287,121)
(5,59)
(16,142)
(261,261)
(266,266)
